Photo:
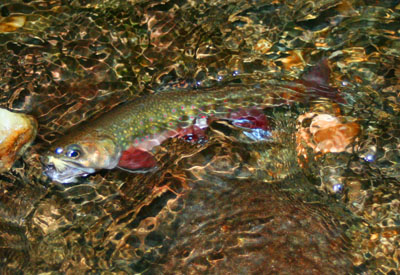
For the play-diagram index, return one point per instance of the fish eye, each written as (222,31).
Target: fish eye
(58,150)
(73,152)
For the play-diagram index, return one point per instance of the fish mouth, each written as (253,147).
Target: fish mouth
(64,171)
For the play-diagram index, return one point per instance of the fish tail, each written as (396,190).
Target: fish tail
(316,82)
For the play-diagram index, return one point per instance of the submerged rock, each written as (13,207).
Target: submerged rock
(325,133)
(17,131)
(262,230)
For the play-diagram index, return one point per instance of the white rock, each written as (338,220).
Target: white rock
(17,131)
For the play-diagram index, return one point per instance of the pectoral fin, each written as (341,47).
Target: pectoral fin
(137,160)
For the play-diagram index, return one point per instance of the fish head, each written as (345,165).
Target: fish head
(66,162)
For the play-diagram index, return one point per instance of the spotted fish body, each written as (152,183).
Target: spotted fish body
(140,121)
(126,135)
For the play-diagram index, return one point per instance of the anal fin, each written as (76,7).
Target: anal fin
(254,122)
(251,118)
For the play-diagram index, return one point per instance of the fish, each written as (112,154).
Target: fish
(126,136)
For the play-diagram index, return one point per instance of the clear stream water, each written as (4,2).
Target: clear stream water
(230,205)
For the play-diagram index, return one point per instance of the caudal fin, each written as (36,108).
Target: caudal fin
(316,82)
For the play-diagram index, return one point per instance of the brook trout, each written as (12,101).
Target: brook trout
(125,136)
